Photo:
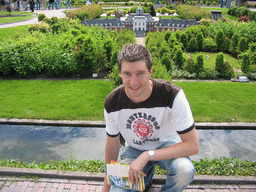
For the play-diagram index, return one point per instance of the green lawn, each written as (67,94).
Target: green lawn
(84,99)
(224,12)
(5,32)
(3,20)
(210,61)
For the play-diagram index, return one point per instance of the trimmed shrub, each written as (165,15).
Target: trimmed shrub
(41,16)
(234,44)
(167,63)
(184,40)
(219,64)
(200,41)
(190,65)
(220,36)
(199,64)
(228,71)
(210,45)
(192,45)
(179,59)
(227,44)
(245,67)
(242,45)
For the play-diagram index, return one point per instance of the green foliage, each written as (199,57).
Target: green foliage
(220,40)
(199,64)
(210,45)
(226,44)
(192,12)
(41,16)
(245,67)
(242,45)
(219,65)
(190,65)
(152,11)
(167,63)
(192,45)
(234,44)
(225,166)
(228,71)
(179,59)
(200,41)
(184,40)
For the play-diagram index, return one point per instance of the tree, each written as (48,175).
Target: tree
(190,65)
(245,67)
(242,45)
(167,63)
(184,40)
(199,64)
(220,36)
(192,45)
(219,64)
(179,59)
(228,71)
(234,44)
(200,41)
(152,11)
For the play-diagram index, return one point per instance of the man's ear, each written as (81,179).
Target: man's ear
(151,71)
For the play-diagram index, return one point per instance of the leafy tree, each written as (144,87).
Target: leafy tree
(219,64)
(234,44)
(192,45)
(200,41)
(242,45)
(179,59)
(245,67)
(228,71)
(152,11)
(184,40)
(167,63)
(167,35)
(190,65)
(220,36)
(199,64)
(226,44)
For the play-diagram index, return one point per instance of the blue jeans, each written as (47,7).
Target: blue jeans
(38,5)
(180,171)
(68,4)
(51,4)
(58,4)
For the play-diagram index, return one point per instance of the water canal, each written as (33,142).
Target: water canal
(44,143)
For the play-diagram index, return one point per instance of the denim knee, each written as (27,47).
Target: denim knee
(180,173)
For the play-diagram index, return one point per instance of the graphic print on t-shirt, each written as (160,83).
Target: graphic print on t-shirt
(143,126)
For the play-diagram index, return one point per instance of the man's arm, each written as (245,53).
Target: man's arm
(111,153)
(189,146)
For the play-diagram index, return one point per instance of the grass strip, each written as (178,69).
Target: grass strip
(84,100)
(4,20)
(217,166)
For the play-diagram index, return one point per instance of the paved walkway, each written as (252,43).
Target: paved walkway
(49,13)
(34,180)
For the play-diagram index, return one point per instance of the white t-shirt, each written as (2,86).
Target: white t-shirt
(151,123)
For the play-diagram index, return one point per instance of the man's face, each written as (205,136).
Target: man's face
(135,76)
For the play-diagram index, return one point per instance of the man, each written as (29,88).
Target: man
(155,120)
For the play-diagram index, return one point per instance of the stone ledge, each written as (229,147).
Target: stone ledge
(202,179)
(76,123)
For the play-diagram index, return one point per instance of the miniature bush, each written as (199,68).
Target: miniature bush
(220,40)
(192,45)
(184,40)
(167,63)
(199,64)
(228,71)
(242,45)
(190,65)
(219,63)
(245,67)
(41,17)
(210,45)
(243,19)
(200,41)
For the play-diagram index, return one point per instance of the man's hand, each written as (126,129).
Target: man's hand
(136,167)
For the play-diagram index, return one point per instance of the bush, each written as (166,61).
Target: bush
(245,67)
(234,44)
(227,44)
(242,45)
(205,22)
(200,41)
(190,65)
(179,59)
(220,40)
(184,40)
(199,64)
(41,16)
(167,63)
(210,45)
(219,63)
(243,18)
(192,45)
(228,71)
